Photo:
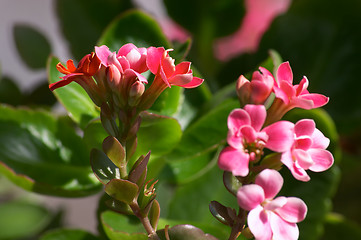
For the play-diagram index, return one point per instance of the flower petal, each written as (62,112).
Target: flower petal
(271,181)
(180,79)
(102,53)
(319,140)
(297,172)
(293,211)
(322,159)
(66,80)
(192,84)
(259,224)
(305,127)
(182,68)
(281,229)
(250,196)
(154,57)
(234,160)
(303,158)
(237,119)
(280,136)
(257,114)
(284,73)
(318,100)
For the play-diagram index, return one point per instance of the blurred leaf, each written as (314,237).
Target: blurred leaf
(199,144)
(219,17)
(133,27)
(68,234)
(185,232)
(20,219)
(118,226)
(337,227)
(40,95)
(83,21)
(43,154)
(73,97)
(32,46)
(9,92)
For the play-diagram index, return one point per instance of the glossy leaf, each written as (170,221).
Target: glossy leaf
(68,234)
(122,190)
(158,134)
(32,45)
(73,97)
(168,103)
(103,168)
(199,144)
(154,214)
(20,219)
(231,183)
(83,21)
(133,27)
(114,150)
(118,226)
(222,213)
(41,153)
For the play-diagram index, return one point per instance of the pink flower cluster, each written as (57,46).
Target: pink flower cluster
(107,75)
(300,147)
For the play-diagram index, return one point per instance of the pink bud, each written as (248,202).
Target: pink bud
(135,92)
(113,76)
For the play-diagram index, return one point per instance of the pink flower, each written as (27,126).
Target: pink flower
(129,60)
(259,16)
(308,151)
(270,217)
(257,90)
(246,139)
(166,74)
(289,96)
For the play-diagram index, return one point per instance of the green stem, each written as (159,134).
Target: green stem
(144,220)
(238,225)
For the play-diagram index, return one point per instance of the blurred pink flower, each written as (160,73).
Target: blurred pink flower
(172,30)
(308,151)
(259,16)
(270,217)
(246,139)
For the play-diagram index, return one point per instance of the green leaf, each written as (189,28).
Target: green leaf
(133,27)
(118,226)
(103,168)
(43,154)
(73,97)
(158,134)
(199,143)
(20,219)
(168,103)
(32,46)
(122,190)
(83,21)
(9,92)
(68,234)
(338,227)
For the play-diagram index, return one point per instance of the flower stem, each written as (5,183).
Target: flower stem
(144,220)
(238,225)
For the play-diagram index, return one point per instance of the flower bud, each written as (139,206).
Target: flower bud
(135,92)
(113,76)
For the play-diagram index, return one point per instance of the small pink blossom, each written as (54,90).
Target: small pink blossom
(257,90)
(166,74)
(246,139)
(270,217)
(289,96)
(308,151)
